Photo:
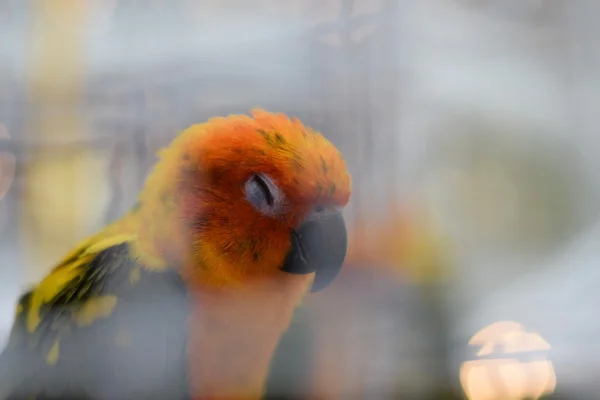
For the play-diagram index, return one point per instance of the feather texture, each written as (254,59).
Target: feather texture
(108,329)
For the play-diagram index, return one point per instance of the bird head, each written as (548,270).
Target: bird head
(241,198)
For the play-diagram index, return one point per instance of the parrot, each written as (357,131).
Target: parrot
(187,294)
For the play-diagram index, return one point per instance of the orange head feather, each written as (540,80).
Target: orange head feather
(193,211)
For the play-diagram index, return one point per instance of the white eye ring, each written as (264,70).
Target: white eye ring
(264,195)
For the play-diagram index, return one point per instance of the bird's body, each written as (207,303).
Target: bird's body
(187,295)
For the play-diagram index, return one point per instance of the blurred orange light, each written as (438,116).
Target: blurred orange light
(501,376)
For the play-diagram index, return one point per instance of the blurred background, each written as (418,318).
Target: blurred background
(470,129)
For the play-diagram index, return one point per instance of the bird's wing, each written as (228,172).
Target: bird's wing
(100,325)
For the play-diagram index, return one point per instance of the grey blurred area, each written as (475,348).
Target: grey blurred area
(483,111)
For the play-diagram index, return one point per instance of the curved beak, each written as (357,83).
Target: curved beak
(318,245)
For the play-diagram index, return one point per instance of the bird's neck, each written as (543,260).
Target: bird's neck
(233,335)
(236,323)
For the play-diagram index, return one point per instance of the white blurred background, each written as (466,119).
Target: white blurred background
(479,113)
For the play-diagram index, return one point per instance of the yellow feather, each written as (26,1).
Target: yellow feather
(54,353)
(108,242)
(96,308)
(72,267)
(56,281)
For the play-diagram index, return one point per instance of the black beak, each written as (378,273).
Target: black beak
(318,245)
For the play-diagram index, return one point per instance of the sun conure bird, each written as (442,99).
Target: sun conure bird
(188,294)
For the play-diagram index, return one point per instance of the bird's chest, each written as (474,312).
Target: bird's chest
(231,344)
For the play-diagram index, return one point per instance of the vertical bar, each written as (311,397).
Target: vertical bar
(53,212)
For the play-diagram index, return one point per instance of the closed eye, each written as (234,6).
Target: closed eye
(264,195)
(264,188)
